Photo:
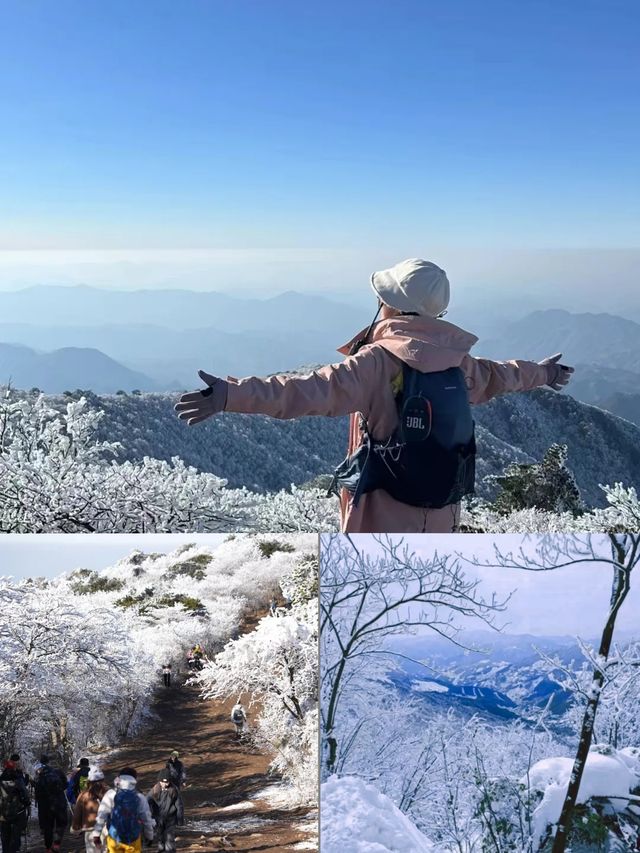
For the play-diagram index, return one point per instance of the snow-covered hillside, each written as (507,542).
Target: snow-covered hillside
(265,454)
(57,475)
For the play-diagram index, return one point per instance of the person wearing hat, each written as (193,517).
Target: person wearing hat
(78,780)
(49,787)
(167,809)
(408,330)
(85,811)
(124,815)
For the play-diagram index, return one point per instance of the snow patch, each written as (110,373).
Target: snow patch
(357,818)
(429,687)
(280,796)
(606,774)
(238,807)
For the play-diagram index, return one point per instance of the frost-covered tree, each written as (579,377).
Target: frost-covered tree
(548,486)
(57,476)
(621,556)
(82,654)
(365,598)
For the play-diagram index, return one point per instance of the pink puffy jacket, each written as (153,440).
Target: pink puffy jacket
(363,383)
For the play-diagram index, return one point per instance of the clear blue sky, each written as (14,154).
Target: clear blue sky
(280,123)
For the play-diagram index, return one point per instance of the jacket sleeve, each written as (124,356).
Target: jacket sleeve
(487,379)
(104,810)
(148,822)
(333,390)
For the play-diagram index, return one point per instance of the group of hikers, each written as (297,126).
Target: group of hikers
(195,658)
(112,819)
(195,662)
(408,382)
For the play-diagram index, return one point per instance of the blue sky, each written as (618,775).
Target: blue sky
(569,601)
(285,125)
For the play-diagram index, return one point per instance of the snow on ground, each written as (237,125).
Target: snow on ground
(607,773)
(279,796)
(238,807)
(357,818)
(429,687)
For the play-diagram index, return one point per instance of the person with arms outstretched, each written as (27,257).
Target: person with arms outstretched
(407,382)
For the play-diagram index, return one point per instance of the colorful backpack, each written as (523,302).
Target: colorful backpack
(125,824)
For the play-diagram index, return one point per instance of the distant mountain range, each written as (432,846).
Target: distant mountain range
(67,369)
(176,309)
(505,680)
(594,339)
(157,340)
(169,334)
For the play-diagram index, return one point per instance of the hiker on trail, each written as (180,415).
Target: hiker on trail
(166,675)
(238,718)
(22,774)
(168,811)
(407,381)
(125,813)
(194,658)
(78,781)
(50,786)
(85,811)
(176,770)
(15,806)
(273,608)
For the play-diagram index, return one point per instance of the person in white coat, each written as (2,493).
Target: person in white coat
(117,802)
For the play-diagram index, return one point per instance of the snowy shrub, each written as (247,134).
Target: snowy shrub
(549,486)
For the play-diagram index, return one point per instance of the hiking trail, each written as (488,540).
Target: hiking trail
(223,777)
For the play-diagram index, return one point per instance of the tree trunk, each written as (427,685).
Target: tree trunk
(619,592)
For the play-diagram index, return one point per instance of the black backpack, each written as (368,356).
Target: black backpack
(11,804)
(429,459)
(50,785)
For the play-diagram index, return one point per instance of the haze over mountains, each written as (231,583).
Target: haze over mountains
(168,334)
(158,339)
(67,368)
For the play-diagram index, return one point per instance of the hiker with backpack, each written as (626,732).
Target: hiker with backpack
(22,774)
(85,811)
(407,382)
(166,674)
(78,781)
(238,718)
(175,768)
(50,787)
(15,807)
(167,809)
(125,812)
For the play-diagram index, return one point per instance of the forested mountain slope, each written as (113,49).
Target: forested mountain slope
(266,454)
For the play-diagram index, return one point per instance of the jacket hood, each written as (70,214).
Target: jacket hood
(126,783)
(424,343)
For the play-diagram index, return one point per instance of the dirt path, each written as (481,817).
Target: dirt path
(223,774)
